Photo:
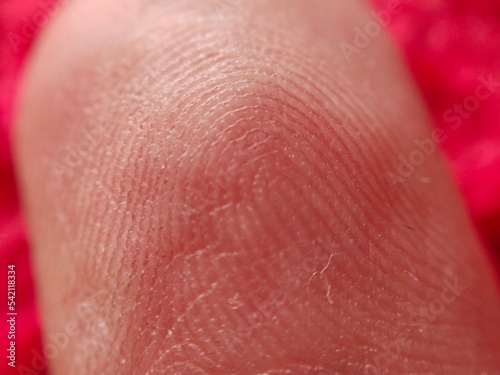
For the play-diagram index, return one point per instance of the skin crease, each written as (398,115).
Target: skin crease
(206,191)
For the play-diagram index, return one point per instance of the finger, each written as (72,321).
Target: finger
(218,193)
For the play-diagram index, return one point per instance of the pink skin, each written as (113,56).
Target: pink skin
(209,194)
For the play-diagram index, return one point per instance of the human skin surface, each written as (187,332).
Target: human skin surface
(207,192)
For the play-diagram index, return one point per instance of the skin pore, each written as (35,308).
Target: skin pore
(207,192)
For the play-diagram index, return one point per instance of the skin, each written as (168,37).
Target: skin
(207,192)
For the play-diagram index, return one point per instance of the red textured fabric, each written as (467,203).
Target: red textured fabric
(449,46)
